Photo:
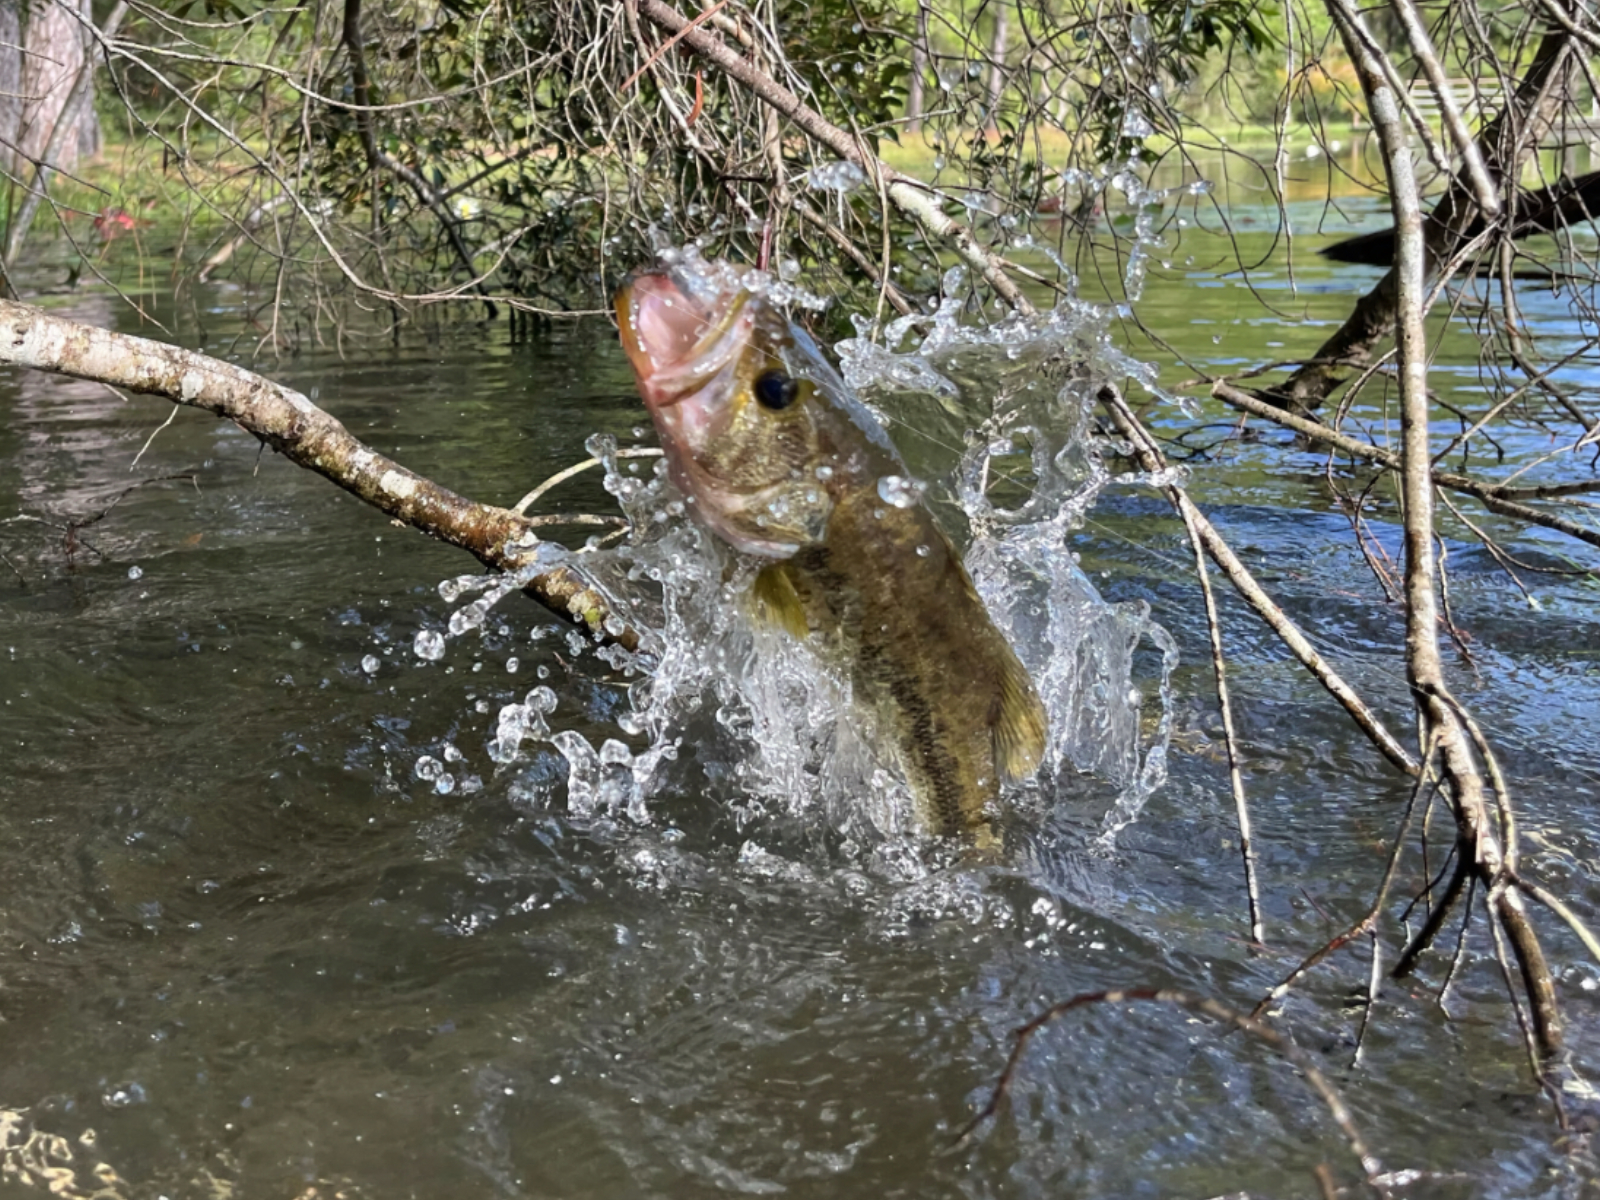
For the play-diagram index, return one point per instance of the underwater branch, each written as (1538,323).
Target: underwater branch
(304,434)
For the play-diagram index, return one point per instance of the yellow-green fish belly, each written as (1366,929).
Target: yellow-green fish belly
(887,588)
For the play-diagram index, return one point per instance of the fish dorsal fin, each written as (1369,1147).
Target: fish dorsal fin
(1021,728)
(776,602)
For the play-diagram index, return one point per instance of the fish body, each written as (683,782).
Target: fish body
(782,462)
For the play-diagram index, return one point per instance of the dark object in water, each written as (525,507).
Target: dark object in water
(1564,203)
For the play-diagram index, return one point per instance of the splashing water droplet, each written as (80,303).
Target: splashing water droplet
(843,176)
(371,663)
(428,645)
(135,572)
(124,1095)
(900,491)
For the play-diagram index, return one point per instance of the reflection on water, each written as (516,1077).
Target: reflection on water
(247,947)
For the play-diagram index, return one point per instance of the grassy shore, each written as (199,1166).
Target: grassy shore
(917,153)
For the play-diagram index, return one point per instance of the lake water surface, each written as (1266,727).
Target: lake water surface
(245,951)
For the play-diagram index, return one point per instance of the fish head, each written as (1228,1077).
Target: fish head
(742,400)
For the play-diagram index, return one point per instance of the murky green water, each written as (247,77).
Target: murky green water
(244,951)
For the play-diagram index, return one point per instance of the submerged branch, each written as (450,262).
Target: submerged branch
(303,433)
(1207,1007)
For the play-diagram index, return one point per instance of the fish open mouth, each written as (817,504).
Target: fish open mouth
(675,341)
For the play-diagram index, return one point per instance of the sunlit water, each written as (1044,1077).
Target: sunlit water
(680,938)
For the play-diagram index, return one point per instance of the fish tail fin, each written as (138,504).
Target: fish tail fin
(1021,727)
(776,602)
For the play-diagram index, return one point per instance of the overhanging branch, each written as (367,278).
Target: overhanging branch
(302,433)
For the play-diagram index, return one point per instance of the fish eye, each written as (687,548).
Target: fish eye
(775,390)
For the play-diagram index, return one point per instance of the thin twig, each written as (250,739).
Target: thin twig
(1221,1013)
(1241,806)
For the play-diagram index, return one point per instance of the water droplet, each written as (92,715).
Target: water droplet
(900,491)
(1136,125)
(371,663)
(124,1095)
(429,768)
(135,572)
(512,665)
(428,645)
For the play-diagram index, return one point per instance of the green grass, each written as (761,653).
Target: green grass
(915,153)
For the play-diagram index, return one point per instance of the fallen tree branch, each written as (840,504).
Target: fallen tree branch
(1152,460)
(306,435)
(1505,501)
(1241,805)
(1504,145)
(1480,843)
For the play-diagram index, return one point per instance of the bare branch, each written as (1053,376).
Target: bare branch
(302,433)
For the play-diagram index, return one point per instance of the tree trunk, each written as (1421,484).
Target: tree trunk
(10,82)
(56,53)
(919,65)
(997,65)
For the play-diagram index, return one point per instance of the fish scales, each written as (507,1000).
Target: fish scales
(784,464)
(887,589)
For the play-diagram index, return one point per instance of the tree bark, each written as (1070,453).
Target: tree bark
(57,52)
(1505,145)
(997,62)
(302,433)
(68,132)
(10,84)
(919,67)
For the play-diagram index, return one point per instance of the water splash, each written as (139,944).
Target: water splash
(777,742)
(1030,471)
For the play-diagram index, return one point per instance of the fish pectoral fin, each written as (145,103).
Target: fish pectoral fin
(1022,726)
(776,602)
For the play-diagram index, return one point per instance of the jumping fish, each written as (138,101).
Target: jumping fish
(782,462)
